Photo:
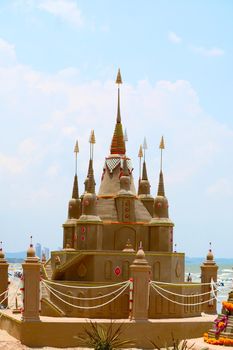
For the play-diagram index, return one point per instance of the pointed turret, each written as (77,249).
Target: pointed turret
(144,171)
(89,197)
(143,183)
(144,190)
(161,191)
(161,202)
(91,180)
(118,140)
(74,209)
(112,170)
(161,225)
(75,193)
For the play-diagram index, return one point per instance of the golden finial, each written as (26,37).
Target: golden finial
(92,137)
(118,78)
(76,148)
(140,152)
(140,155)
(92,142)
(76,151)
(162,147)
(31,245)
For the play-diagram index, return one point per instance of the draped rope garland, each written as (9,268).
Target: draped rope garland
(180,295)
(11,300)
(21,287)
(153,285)
(87,307)
(183,284)
(87,298)
(6,292)
(83,287)
(3,293)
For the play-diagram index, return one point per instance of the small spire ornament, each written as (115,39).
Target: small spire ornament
(162,147)
(76,151)
(118,82)
(92,141)
(145,148)
(118,78)
(140,155)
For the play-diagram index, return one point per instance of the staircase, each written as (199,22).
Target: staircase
(48,308)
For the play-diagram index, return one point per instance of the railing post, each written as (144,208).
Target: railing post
(3,278)
(209,271)
(140,272)
(31,275)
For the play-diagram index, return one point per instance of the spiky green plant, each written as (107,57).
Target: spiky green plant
(104,338)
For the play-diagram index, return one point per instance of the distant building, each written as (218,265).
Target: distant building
(46,252)
(38,250)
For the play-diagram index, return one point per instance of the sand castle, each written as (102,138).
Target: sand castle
(118,259)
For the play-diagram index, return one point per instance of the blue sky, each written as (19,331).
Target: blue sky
(58,62)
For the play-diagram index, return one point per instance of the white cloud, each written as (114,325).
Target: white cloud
(7,53)
(27,147)
(211,52)
(53,170)
(174,38)
(43,114)
(10,165)
(221,188)
(66,10)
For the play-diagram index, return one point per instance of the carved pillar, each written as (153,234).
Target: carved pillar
(31,273)
(140,272)
(209,271)
(3,278)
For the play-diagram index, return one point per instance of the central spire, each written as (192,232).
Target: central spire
(118,141)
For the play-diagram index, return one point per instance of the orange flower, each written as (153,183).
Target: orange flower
(221,324)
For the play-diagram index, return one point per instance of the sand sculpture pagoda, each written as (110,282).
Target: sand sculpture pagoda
(103,232)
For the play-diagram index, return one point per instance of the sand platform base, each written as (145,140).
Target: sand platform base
(62,332)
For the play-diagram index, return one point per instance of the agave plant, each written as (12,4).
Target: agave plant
(104,338)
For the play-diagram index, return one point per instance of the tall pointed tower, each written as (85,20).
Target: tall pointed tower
(144,185)
(74,210)
(161,227)
(89,225)
(113,166)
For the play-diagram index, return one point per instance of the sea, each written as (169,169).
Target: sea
(225,276)
(192,266)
